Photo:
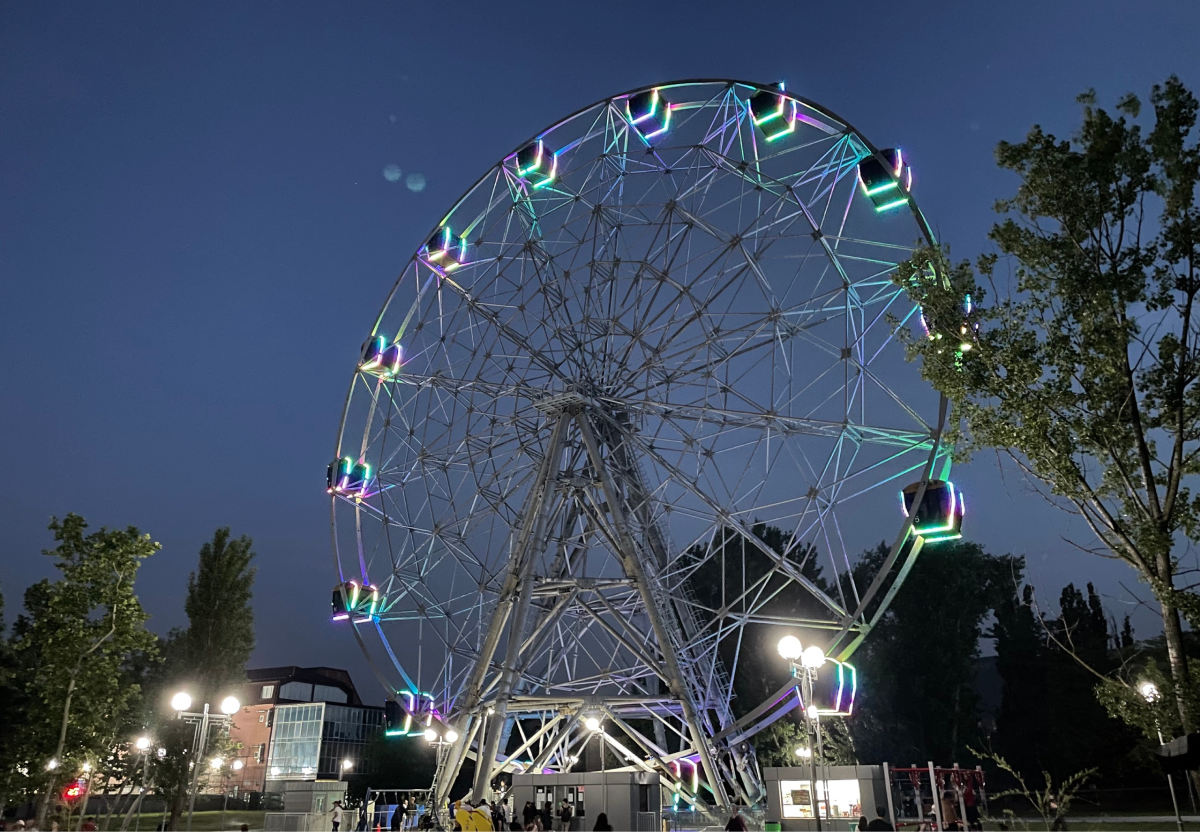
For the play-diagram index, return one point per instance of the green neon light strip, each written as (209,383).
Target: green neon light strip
(889,205)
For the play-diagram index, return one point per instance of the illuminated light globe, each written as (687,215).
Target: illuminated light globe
(812,657)
(451,736)
(592,723)
(431,735)
(790,648)
(230,705)
(1148,690)
(142,743)
(181,701)
(650,412)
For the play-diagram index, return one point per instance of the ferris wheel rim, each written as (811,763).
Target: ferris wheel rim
(848,129)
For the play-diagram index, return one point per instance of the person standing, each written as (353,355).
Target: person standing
(547,816)
(736,823)
(880,824)
(337,815)
(564,816)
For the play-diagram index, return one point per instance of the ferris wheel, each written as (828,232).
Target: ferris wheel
(629,414)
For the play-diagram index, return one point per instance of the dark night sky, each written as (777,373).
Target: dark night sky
(195,228)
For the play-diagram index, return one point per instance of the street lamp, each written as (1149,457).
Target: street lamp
(1149,692)
(346,766)
(53,764)
(592,723)
(180,702)
(804,664)
(812,657)
(237,765)
(142,743)
(790,648)
(215,763)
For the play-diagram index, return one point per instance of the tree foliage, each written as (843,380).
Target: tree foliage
(1050,719)
(1085,362)
(207,659)
(77,650)
(917,669)
(212,652)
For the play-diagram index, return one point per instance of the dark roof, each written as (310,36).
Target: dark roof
(312,675)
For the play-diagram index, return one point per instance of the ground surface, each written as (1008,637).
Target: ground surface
(201,821)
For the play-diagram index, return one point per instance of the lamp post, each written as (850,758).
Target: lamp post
(441,737)
(804,664)
(1149,692)
(180,702)
(142,744)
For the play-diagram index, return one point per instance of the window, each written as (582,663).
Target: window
(301,691)
(267,691)
(260,751)
(837,799)
(328,693)
(296,741)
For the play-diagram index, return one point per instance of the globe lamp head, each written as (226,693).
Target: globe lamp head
(790,648)
(142,743)
(812,657)
(1148,690)
(430,735)
(181,701)
(451,736)
(230,705)
(592,723)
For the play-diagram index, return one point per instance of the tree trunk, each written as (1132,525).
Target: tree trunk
(44,803)
(1173,633)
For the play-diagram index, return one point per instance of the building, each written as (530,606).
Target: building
(300,723)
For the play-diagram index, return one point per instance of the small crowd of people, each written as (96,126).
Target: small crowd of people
(493,816)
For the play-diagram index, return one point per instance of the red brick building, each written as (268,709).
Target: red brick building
(266,689)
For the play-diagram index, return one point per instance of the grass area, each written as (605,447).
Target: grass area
(201,821)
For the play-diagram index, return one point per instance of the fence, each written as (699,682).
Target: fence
(293,821)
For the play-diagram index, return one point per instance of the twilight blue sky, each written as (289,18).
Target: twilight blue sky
(196,228)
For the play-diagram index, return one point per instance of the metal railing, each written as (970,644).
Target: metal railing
(292,822)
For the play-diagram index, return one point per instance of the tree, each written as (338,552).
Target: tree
(1083,367)
(1050,720)
(82,634)
(917,669)
(212,652)
(208,657)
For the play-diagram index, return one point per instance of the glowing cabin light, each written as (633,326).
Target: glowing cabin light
(773,113)
(379,358)
(444,251)
(345,477)
(648,113)
(886,185)
(537,164)
(834,690)
(940,515)
(354,600)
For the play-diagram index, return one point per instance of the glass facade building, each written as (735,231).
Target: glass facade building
(310,741)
